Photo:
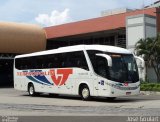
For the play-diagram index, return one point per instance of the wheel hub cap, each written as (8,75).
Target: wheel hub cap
(85,93)
(31,90)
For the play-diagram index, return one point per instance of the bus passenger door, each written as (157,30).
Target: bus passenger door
(94,80)
(101,70)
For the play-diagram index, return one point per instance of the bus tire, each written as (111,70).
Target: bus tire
(85,93)
(31,90)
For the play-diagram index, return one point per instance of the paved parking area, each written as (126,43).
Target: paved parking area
(18,103)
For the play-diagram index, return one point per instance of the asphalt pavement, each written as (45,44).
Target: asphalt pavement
(18,103)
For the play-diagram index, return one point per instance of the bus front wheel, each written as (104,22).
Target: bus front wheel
(84,92)
(31,90)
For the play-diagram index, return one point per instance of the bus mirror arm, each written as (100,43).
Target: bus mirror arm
(141,60)
(109,59)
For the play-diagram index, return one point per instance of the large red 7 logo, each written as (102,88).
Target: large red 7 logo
(61,77)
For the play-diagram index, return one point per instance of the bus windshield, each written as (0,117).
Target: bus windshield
(123,69)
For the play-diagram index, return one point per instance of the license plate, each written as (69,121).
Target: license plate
(128,93)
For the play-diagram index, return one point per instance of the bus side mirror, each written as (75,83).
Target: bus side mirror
(142,62)
(109,59)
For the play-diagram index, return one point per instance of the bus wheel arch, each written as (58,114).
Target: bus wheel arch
(31,89)
(84,91)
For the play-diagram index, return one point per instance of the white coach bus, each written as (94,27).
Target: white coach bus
(85,70)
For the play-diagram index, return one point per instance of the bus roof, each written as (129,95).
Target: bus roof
(104,48)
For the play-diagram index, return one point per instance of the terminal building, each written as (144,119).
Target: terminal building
(120,27)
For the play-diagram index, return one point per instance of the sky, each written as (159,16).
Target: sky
(54,12)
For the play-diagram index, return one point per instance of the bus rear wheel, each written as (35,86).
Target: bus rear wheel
(85,93)
(31,90)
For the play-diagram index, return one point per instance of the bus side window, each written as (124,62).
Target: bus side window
(53,61)
(18,64)
(78,60)
(43,66)
(99,64)
(49,60)
(83,62)
(66,60)
(50,65)
(102,68)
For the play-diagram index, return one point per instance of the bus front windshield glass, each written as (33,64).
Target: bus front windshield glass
(123,69)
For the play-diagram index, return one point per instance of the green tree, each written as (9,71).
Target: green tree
(149,49)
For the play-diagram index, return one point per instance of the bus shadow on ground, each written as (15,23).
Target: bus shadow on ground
(138,98)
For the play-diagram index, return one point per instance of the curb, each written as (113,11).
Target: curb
(149,93)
